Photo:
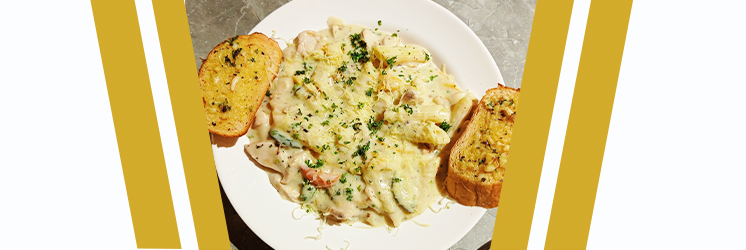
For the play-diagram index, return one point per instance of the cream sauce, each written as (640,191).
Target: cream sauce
(354,126)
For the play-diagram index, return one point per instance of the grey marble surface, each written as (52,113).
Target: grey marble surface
(503,26)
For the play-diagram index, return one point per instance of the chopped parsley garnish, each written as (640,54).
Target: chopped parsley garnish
(306,80)
(445,126)
(348,192)
(407,108)
(395,35)
(397,180)
(300,72)
(224,106)
(356,126)
(361,150)
(342,68)
(379,22)
(229,62)
(268,93)
(427,56)
(359,53)
(357,40)
(374,125)
(360,105)
(343,179)
(369,92)
(230,41)
(325,123)
(433,77)
(236,53)
(391,62)
(318,163)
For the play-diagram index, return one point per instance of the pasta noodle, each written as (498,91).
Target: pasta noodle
(408,53)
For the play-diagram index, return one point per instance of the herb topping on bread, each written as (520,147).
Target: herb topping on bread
(478,159)
(234,80)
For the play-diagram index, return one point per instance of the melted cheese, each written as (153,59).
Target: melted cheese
(355,125)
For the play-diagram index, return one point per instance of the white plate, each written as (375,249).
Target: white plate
(421,22)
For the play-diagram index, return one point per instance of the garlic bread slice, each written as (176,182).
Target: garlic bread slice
(478,159)
(234,79)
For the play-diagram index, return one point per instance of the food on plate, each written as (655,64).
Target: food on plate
(354,126)
(478,159)
(234,79)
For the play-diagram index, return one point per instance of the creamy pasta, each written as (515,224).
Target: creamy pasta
(354,126)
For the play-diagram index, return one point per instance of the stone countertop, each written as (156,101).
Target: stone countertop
(503,26)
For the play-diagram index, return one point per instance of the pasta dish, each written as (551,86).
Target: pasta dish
(354,127)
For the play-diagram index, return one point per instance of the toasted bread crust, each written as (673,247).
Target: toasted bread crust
(478,159)
(234,79)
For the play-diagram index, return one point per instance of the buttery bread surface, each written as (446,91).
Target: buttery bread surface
(478,159)
(234,80)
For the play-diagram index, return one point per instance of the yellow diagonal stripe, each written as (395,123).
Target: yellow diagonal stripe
(135,123)
(189,116)
(539,88)
(588,126)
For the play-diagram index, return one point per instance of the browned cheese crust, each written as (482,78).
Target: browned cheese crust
(234,79)
(478,159)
